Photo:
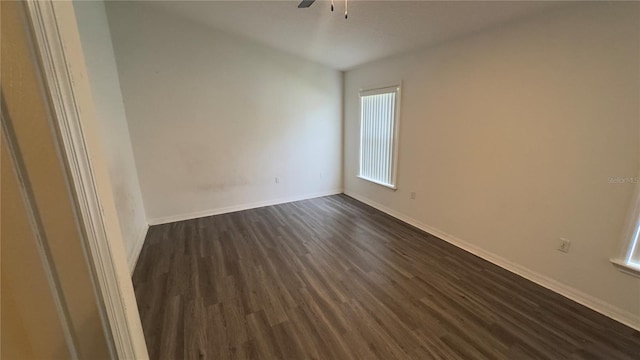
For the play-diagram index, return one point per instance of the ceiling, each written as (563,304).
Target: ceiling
(374,29)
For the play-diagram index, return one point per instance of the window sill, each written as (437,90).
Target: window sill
(626,268)
(392,187)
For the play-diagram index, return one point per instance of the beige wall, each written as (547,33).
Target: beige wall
(509,137)
(214,119)
(30,326)
(105,88)
(27,111)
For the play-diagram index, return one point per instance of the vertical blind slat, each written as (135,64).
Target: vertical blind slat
(363,132)
(391,114)
(370,133)
(374,143)
(362,125)
(382,143)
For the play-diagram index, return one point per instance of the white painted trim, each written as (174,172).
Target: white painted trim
(132,259)
(569,292)
(626,267)
(240,207)
(57,42)
(388,186)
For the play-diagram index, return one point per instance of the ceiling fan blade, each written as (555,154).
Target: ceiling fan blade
(305,4)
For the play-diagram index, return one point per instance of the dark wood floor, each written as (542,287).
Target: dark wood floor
(331,278)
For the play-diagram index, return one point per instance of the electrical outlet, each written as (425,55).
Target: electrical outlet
(277,180)
(564,245)
(413,195)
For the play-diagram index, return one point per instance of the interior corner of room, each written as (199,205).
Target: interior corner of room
(503,136)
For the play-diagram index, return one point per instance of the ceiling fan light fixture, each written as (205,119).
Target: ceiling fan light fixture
(306,3)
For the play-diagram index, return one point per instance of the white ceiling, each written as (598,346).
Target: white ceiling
(375,29)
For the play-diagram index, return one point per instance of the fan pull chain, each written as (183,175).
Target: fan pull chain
(331,5)
(346,9)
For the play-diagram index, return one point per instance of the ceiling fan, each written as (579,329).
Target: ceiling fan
(306,3)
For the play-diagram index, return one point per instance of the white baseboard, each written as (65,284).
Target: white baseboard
(234,208)
(135,253)
(604,308)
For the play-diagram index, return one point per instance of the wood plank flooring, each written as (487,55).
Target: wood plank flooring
(332,278)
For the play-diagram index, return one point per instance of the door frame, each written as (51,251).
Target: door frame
(56,39)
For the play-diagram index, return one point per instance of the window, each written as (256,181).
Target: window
(633,258)
(379,135)
(628,260)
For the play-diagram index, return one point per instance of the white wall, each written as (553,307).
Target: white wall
(509,137)
(214,118)
(105,86)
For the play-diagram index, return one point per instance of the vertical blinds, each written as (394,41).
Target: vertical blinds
(634,255)
(377,134)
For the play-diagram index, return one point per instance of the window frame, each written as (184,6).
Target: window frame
(630,239)
(395,87)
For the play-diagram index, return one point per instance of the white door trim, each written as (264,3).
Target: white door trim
(55,36)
